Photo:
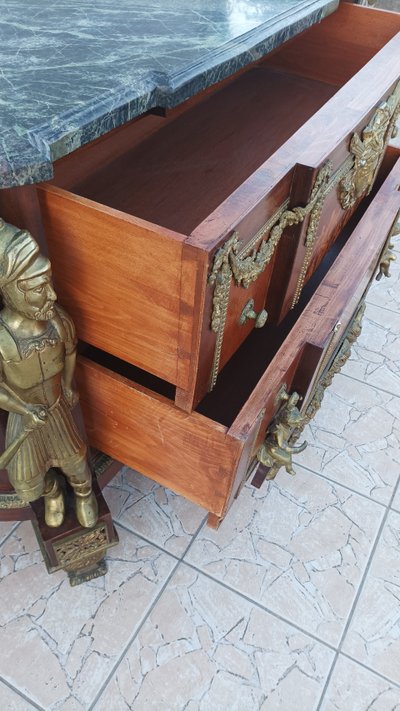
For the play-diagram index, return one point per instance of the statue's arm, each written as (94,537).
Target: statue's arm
(34,415)
(11,402)
(70,342)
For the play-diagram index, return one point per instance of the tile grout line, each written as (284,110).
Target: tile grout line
(370,385)
(378,306)
(260,606)
(145,540)
(344,486)
(126,528)
(14,528)
(145,618)
(356,599)
(370,669)
(21,694)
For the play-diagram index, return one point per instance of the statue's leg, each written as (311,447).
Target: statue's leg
(78,474)
(54,507)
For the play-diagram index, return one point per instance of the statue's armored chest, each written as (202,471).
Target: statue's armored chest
(35,360)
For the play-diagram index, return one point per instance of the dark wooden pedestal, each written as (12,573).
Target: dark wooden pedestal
(79,551)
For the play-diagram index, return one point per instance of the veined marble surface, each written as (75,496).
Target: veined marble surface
(73,70)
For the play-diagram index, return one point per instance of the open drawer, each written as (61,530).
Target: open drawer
(170,237)
(206,455)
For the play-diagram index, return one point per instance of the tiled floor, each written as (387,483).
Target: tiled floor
(294,604)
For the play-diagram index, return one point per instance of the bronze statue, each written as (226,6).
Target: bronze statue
(37,362)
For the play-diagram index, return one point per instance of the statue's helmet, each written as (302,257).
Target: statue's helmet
(19,255)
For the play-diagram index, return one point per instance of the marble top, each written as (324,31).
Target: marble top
(74,69)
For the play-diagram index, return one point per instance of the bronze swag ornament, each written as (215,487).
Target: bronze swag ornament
(37,362)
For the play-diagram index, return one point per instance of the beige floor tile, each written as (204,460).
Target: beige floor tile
(354,688)
(374,633)
(77,634)
(298,546)
(204,648)
(11,701)
(375,357)
(156,513)
(355,438)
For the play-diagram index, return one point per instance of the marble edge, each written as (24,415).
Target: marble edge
(28,159)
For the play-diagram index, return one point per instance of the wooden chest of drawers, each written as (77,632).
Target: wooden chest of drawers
(246,206)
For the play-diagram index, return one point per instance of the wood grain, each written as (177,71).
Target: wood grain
(188,453)
(119,278)
(339,46)
(336,298)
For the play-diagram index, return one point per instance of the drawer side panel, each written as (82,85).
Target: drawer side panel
(188,453)
(120,280)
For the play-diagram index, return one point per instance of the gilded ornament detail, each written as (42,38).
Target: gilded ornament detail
(245,263)
(277,449)
(368,149)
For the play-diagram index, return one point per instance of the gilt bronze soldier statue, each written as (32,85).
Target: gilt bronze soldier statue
(37,362)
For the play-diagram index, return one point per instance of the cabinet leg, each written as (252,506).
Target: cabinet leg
(214,521)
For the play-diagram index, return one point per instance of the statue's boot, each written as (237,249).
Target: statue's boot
(54,506)
(86,509)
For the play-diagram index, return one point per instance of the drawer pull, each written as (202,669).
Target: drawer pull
(277,450)
(249,313)
(243,264)
(367,150)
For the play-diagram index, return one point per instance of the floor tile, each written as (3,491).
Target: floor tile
(375,357)
(152,511)
(11,701)
(5,529)
(386,292)
(396,500)
(298,546)
(374,633)
(77,633)
(354,688)
(355,438)
(204,648)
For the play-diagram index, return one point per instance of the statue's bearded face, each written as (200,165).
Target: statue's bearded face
(33,296)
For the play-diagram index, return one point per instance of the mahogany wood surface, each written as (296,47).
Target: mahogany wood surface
(342,43)
(337,296)
(224,163)
(122,285)
(188,452)
(195,455)
(182,172)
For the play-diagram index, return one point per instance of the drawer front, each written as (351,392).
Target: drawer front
(196,455)
(343,148)
(295,205)
(320,342)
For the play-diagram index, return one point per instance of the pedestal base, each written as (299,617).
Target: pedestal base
(79,551)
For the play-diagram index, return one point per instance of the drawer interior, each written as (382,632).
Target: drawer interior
(243,371)
(181,173)
(175,171)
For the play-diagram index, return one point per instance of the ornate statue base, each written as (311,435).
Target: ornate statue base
(79,551)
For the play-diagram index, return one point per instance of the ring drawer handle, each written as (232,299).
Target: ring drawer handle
(249,313)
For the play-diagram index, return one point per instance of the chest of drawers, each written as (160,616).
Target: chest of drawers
(245,206)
